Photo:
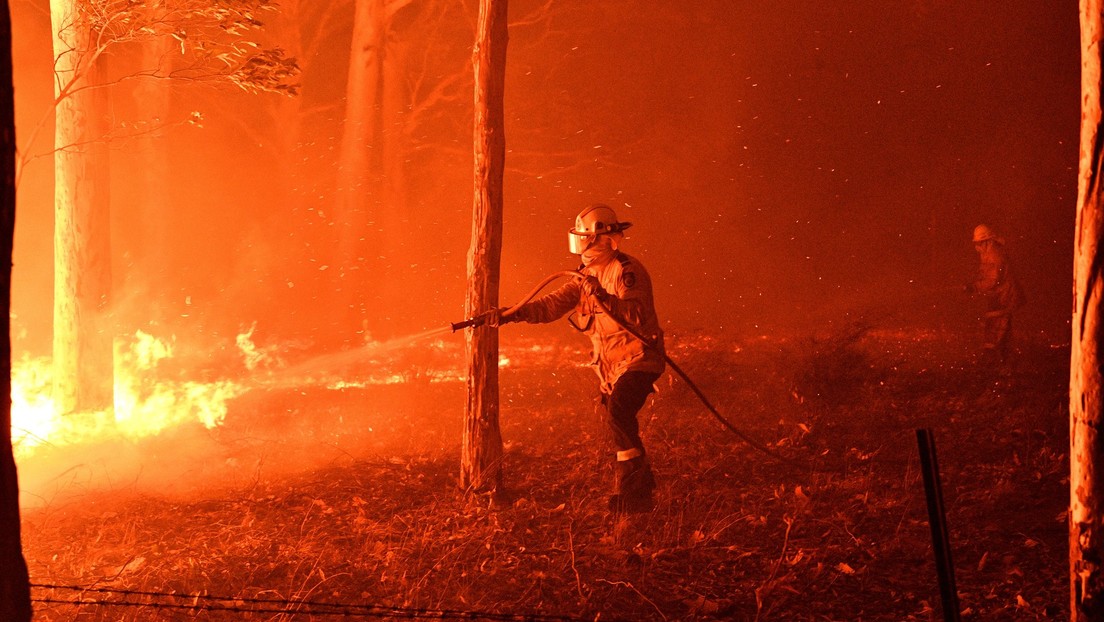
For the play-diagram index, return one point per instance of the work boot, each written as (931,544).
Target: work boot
(634,484)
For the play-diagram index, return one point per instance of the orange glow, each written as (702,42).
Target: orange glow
(148,402)
(34,418)
(145,404)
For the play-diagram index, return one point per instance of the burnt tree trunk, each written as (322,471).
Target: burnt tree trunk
(15,590)
(481,452)
(1086,527)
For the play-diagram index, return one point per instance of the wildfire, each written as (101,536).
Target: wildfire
(147,401)
(33,414)
(144,405)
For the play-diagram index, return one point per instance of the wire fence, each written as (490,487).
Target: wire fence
(108,597)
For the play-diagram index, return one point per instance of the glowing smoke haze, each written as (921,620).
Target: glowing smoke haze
(785,168)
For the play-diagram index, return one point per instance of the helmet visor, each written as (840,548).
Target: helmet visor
(578,242)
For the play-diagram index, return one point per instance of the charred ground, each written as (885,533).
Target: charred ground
(840,534)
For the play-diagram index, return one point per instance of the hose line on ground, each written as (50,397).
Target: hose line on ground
(678,370)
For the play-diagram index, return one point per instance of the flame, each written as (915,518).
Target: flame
(253,357)
(145,403)
(149,401)
(34,417)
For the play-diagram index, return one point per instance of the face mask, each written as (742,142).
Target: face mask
(599,252)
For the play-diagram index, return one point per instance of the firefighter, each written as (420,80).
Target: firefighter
(996,284)
(627,368)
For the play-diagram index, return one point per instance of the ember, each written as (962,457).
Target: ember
(247,230)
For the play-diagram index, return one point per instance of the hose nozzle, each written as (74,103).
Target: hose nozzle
(482,318)
(472,322)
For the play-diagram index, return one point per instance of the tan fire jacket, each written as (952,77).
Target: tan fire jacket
(996,282)
(616,351)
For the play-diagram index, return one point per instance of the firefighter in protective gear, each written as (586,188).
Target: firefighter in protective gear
(996,284)
(627,368)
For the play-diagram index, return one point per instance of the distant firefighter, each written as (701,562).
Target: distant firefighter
(996,283)
(627,368)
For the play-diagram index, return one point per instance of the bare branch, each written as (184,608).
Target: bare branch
(213,48)
(114,137)
(540,15)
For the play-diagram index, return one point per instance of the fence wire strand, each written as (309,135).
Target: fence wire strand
(206,602)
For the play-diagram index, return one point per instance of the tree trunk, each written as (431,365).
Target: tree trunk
(1086,527)
(396,103)
(481,453)
(15,590)
(358,166)
(153,98)
(394,219)
(83,362)
(288,110)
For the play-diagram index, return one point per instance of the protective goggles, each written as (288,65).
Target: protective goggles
(579,241)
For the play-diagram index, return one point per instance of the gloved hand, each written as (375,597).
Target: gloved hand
(593,287)
(496,319)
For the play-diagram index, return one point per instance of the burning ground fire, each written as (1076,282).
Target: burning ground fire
(146,403)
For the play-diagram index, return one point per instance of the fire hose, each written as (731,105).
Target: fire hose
(482,319)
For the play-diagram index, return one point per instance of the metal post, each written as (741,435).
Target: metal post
(937,518)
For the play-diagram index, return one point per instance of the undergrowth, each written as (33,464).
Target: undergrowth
(837,531)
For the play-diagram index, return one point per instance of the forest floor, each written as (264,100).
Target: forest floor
(342,503)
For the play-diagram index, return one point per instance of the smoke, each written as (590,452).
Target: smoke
(784,167)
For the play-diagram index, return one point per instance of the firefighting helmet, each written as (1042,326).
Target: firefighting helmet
(983,233)
(598,219)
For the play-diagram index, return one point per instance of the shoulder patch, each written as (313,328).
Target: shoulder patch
(629,279)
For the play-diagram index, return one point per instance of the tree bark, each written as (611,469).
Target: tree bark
(396,103)
(15,590)
(358,166)
(391,186)
(481,454)
(83,361)
(153,98)
(289,110)
(1086,527)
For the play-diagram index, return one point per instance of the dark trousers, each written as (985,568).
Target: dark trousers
(632,475)
(629,394)
(998,332)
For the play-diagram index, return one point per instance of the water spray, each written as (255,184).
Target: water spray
(481,319)
(299,373)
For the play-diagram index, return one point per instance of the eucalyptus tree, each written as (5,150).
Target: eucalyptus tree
(481,450)
(213,43)
(1086,511)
